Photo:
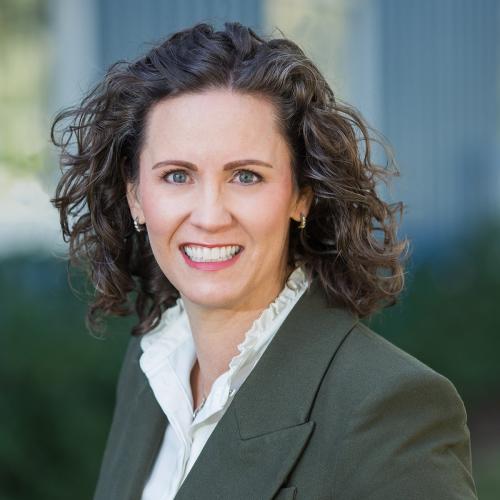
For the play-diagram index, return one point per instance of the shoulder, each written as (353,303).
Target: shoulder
(403,424)
(362,367)
(364,359)
(375,373)
(380,363)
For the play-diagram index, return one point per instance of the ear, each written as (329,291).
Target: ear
(303,203)
(134,202)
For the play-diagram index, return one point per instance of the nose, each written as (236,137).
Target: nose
(210,212)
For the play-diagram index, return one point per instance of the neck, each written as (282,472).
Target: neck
(217,332)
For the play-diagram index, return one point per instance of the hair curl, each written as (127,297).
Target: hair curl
(350,243)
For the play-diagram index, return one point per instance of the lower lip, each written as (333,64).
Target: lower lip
(211,266)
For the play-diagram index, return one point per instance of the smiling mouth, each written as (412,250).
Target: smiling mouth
(213,254)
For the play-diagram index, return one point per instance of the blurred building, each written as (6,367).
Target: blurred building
(440,87)
(424,73)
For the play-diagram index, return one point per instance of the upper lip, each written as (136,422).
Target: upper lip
(190,243)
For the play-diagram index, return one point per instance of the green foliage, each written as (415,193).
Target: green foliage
(56,384)
(486,476)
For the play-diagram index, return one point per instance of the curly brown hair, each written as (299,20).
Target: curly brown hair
(350,243)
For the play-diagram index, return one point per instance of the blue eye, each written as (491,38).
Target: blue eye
(248,177)
(176,176)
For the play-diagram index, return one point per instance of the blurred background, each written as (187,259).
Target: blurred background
(426,74)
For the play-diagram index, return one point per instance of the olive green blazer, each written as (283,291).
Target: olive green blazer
(330,411)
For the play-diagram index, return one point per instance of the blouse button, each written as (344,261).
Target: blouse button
(231,392)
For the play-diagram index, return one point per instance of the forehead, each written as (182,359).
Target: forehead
(214,120)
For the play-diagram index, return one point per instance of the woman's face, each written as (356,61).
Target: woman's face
(215,176)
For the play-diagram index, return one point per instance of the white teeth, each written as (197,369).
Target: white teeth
(216,254)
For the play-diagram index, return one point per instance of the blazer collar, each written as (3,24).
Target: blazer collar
(258,440)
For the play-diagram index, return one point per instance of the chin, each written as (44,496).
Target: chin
(211,296)
(209,301)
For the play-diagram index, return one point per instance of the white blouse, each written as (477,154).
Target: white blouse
(167,359)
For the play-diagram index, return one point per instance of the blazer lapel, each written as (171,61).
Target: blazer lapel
(260,437)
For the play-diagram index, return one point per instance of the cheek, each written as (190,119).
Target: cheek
(266,215)
(160,212)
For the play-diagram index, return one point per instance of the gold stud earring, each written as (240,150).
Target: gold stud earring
(303,219)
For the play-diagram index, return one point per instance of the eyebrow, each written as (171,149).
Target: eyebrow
(227,166)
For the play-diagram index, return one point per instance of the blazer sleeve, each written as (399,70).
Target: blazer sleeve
(407,439)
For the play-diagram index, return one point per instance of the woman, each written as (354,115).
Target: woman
(218,179)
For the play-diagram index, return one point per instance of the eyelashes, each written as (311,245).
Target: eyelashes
(176,176)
